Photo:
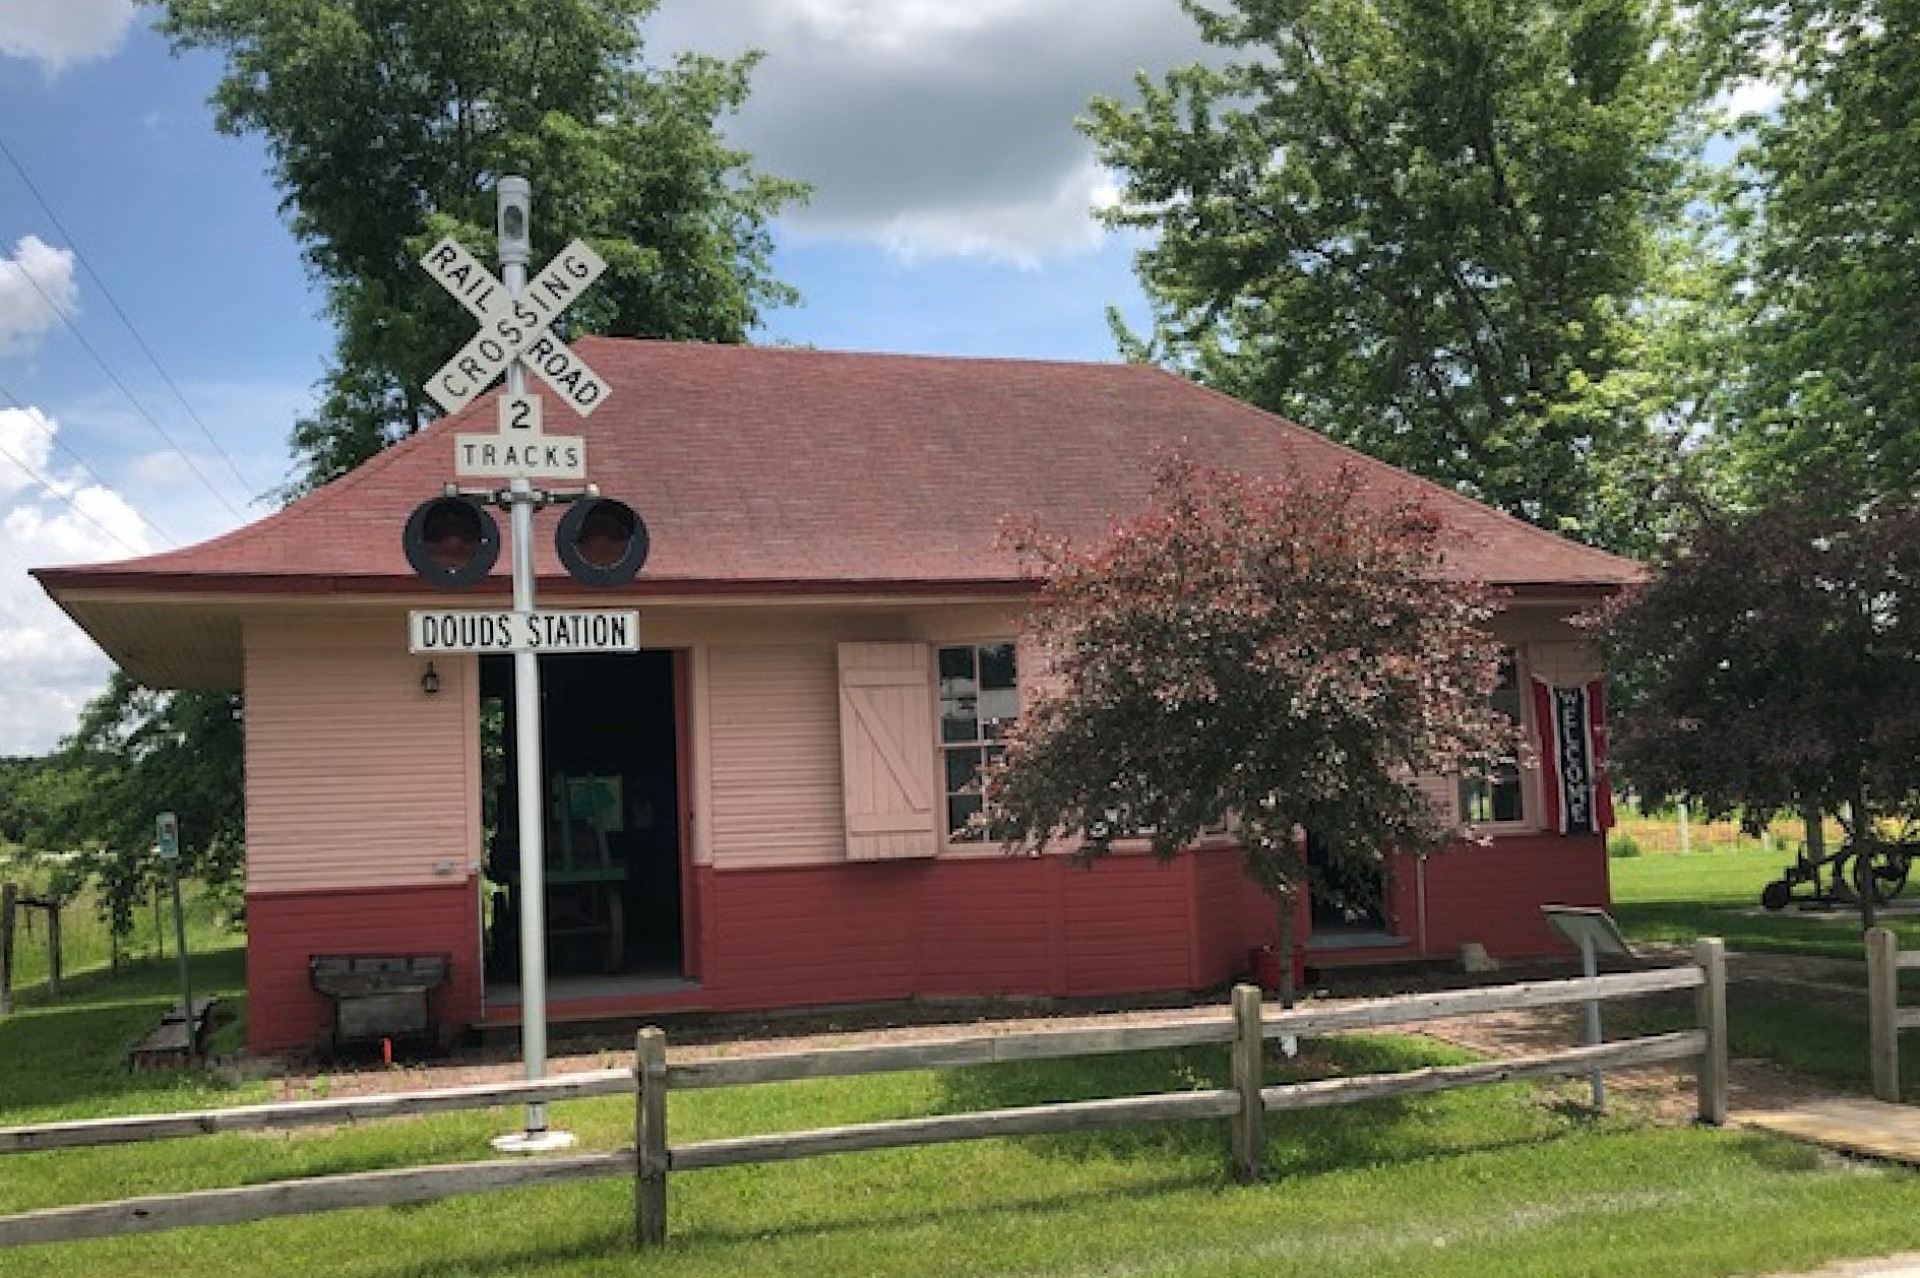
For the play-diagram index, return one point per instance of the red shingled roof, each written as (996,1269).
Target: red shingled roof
(775,469)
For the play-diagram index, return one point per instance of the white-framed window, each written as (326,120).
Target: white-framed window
(1501,798)
(979,686)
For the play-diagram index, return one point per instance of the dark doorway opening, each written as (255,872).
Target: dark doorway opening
(610,795)
(1346,894)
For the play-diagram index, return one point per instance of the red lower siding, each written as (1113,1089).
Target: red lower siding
(285,929)
(1489,894)
(1493,894)
(890,930)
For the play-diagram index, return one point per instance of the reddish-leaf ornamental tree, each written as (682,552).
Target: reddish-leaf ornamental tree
(1285,654)
(1772,664)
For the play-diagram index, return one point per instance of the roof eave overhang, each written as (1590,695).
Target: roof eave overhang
(64,583)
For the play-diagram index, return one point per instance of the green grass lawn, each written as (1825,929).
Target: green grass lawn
(1678,898)
(1498,1182)
(1493,1182)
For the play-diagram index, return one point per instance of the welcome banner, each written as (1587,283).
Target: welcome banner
(1573,757)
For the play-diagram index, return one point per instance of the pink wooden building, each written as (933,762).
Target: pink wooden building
(759,809)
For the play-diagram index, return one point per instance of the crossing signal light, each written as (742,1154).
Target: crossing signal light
(451,541)
(602,542)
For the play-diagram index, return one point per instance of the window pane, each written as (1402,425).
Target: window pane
(998,710)
(996,666)
(1506,693)
(1496,799)
(960,810)
(963,770)
(1506,796)
(956,668)
(959,719)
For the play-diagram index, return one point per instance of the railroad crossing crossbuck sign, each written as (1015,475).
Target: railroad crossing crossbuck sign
(516,328)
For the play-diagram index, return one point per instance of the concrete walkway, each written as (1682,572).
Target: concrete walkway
(1864,1128)
(1905,1265)
(1852,1125)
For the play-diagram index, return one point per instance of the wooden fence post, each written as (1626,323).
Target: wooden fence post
(650,1139)
(1883,1012)
(8,895)
(1249,1052)
(1710,953)
(53,947)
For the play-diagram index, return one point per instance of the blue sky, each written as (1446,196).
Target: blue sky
(158,335)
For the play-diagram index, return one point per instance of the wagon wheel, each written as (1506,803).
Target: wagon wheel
(1881,869)
(1776,895)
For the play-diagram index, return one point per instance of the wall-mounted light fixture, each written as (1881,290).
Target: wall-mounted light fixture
(430,681)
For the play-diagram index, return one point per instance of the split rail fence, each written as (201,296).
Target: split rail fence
(1885,1017)
(1245,1104)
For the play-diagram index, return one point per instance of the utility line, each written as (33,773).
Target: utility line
(48,484)
(53,437)
(60,311)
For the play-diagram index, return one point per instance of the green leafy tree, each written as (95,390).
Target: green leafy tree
(1428,229)
(137,753)
(1829,217)
(1772,664)
(1292,653)
(389,123)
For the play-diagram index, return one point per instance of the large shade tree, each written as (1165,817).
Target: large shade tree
(1428,229)
(1829,217)
(389,123)
(1290,653)
(1772,664)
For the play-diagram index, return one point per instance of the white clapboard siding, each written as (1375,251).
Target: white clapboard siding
(893,800)
(775,750)
(355,777)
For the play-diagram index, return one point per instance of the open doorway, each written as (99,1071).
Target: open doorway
(1348,895)
(610,796)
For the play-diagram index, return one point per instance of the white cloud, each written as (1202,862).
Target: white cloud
(37,287)
(48,516)
(931,127)
(61,32)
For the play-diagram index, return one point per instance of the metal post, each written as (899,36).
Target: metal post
(1590,964)
(513,191)
(180,944)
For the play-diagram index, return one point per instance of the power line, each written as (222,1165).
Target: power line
(114,377)
(61,312)
(73,505)
(53,438)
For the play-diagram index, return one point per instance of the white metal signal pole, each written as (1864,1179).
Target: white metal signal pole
(515,196)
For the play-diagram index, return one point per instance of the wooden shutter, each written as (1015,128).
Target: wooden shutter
(887,751)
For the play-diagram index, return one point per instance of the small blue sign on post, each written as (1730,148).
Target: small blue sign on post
(167,834)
